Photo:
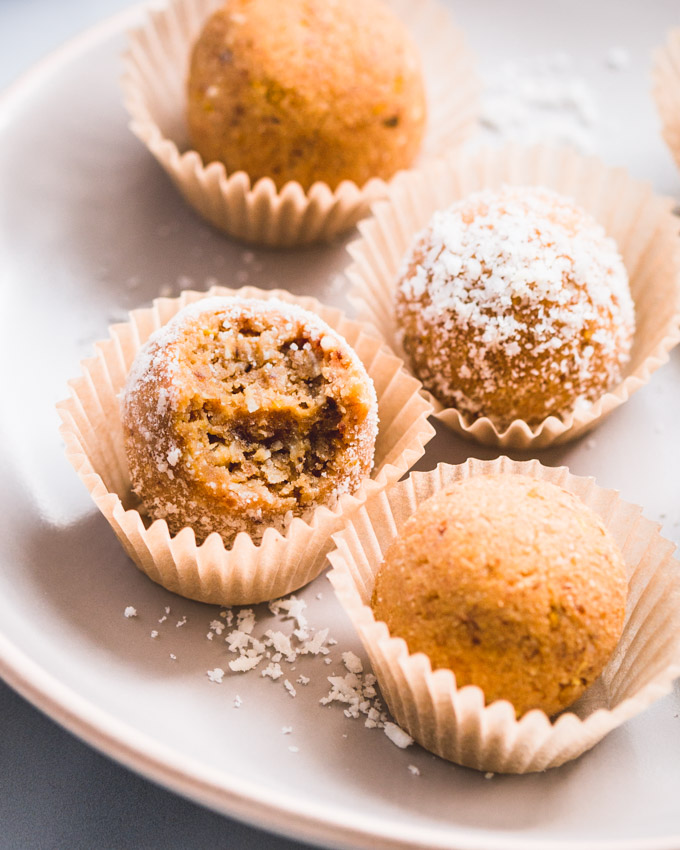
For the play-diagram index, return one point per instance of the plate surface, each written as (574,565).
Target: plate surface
(89,228)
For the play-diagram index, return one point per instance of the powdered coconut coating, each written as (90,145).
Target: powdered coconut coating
(306,90)
(515,305)
(242,413)
(512,583)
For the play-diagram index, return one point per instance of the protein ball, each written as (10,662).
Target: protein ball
(306,90)
(515,305)
(240,414)
(510,582)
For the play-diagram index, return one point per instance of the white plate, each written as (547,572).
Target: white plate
(90,227)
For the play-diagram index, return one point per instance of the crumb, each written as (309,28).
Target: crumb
(303,680)
(154,633)
(286,730)
(414,770)
(216,675)
(181,622)
(130,611)
(488,775)
(352,662)
(273,671)
(238,702)
(243,663)
(173,657)
(290,688)
(294,749)
(398,736)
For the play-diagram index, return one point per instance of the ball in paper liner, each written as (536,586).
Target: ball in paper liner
(306,90)
(515,305)
(510,582)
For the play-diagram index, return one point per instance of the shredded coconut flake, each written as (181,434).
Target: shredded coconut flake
(216,675)
(397,735)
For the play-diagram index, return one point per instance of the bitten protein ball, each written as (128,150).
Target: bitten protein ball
(515,305)
(306,90)
(510,582)
(240,414)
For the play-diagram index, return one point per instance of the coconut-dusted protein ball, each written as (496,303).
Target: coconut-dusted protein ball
(510,582)
(242,413)
(515,305)
(306,90)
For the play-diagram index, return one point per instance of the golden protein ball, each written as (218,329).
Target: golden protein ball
(240,414)
(514,304)
(306,90)
(510,582)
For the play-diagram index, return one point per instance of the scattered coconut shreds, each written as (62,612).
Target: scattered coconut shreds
(541,99)
(243,663)
(315,644)
(281,644)
(414,770)
(216,675)
(488,775)
(130,611)
(273,671)
(245,620)
(397,735)
(355,690)
(352,662)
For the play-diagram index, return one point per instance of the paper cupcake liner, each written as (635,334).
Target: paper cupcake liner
(666,90)
(154,86)
(247,573)
(641,223)
(454,723)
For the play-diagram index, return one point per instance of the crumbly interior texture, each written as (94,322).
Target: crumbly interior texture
(306,90)
(241,414)
(515,305)
(512,583)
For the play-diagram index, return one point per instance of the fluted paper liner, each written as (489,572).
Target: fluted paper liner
(640,221)
(154,86)
(666,90)
(247,573)
(454,723)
